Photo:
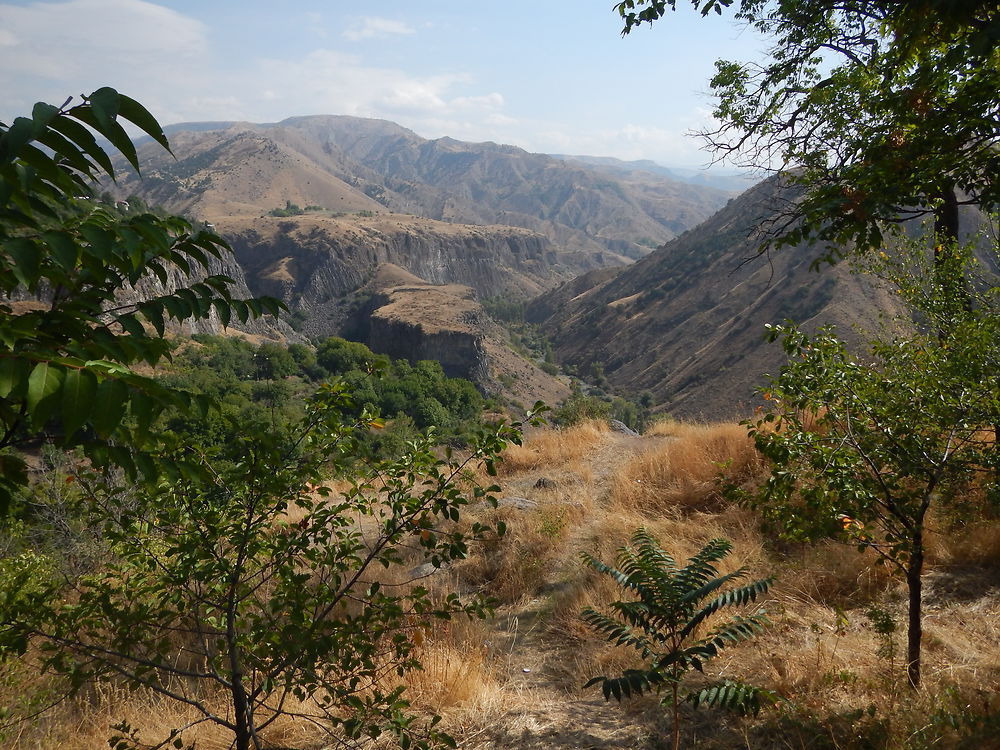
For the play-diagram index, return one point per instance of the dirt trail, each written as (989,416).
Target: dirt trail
(554,712)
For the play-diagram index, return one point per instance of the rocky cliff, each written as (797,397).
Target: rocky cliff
(316,265)
(408,318)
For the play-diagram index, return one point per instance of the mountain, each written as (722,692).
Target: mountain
(686,322)
(348,164)
(731,181)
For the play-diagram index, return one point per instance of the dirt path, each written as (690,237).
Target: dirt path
(553,711)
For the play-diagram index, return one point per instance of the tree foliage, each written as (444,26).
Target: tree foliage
(885,109)
(863,449)
(665,623)
(88,292)
(257,581)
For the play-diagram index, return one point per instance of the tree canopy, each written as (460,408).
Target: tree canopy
(88,291)
(886,110)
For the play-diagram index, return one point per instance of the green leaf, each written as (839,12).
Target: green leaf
(15,139)
(79,387)
(27,259)
(138,115)
(63,248)
(43,383)
(13,375)
(101,115)
(78,134)
(110,403)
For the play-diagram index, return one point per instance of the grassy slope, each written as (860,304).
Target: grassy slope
(515,681)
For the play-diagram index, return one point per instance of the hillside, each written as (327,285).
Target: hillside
(515,679)
(686,322)
(348,164)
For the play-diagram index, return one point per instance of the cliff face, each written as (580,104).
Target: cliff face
(315,264)
(462,353)
(150,287)
(408,318)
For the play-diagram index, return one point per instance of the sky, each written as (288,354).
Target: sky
(550,76)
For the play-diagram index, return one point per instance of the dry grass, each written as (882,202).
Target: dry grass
(682,472)
(821,653)
(548,448)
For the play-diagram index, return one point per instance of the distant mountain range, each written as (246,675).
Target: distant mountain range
(732,181)
(366,229)
(599,215)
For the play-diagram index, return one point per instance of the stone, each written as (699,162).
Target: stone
(618,426)
(521,503)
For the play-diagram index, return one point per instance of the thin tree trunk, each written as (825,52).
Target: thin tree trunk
(946,216)
(677,718)
(914,630)
(948,271)
(240,708)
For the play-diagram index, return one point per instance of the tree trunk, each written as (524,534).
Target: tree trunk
(914,630)
(949,272)
(946,216)
(677,717)
(241,706)
(243,735)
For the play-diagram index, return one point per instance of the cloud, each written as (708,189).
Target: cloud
(374,27)
(50,50)
(180,69)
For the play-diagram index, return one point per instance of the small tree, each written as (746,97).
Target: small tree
(264,586)
(664,624)
(863,451)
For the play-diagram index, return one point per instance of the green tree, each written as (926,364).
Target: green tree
(664,623)
(339,356)
(75,316)
(885,110)
(259,583)
(864,450)
(274,361)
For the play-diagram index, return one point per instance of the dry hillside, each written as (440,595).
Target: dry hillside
(515,680)
(686,323)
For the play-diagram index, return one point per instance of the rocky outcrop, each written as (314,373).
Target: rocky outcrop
(317,265)
(408,318)
(150,287)
(443,323)
(305,260)
(462,354)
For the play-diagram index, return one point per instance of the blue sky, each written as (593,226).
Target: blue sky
(552,76)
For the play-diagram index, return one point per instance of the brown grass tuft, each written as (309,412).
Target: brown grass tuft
(683,473)
(551,447)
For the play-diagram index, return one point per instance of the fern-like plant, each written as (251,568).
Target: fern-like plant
(665,624)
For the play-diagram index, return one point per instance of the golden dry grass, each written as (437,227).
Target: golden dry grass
(550,448)
(681,471)
(821,652)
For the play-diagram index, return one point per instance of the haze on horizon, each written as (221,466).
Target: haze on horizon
(552,77)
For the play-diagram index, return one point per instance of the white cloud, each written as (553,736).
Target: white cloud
(168,61)
(670,146)
(488,102)
(53,49)
(374,27)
